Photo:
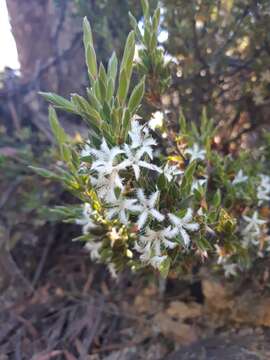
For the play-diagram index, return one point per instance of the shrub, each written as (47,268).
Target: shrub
(151,197)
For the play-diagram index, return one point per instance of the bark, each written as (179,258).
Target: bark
(48,38)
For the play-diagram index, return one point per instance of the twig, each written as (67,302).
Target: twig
(43,259)
(9,191)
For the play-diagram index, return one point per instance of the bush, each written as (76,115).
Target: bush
(152,197)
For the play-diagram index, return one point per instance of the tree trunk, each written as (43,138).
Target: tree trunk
(49,42)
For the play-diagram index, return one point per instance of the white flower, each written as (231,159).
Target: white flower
(121,207)
(222,256)
(239,178)
(263,193)
(197,183)
(141,139)
(171,171)
(156,120)
(105,162)
(195,153)
(181,225)
(93,248)
(230,269)
(156,261)
(106,184)
(134,160)
(86,220)
(147,207)
(157,238)
(112,271)
(254,224)
(86,151)
(150,246)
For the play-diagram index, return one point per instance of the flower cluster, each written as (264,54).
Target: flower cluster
(116,175)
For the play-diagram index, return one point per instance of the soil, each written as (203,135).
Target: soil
(56,304)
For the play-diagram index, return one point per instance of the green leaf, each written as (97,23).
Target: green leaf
(102,74)
(87,33)
(125,124)
(58,101)
(91,62)
(129,52)
(136,97)
(145,7)
(135,26)
(182,123)
(188,178)
(156,20)
(102,90)
(112,68)
(58,132)
(93,100)
(165,267)
(217,199)
(45,173)
(110,90)
(123,87)
(88,113)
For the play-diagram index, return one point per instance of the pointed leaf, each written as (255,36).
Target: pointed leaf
(58,101)
(113,67)
(58,132)
(91,62)
(87,33)
(136,97)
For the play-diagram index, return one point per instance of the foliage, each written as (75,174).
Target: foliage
(25,197)
(221,53)
(110,22)
(142,206)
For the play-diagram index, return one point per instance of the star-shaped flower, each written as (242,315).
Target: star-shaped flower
(150,246)
(254,224)
(106,159)
(195,153)
(121,207)
(197,183)
(141,139)
(93,247)
(86,220)
(230,270)
(106,184)
(147,207)
(182,225)
(240,178)
(263,193)
(134,160)
(171,171)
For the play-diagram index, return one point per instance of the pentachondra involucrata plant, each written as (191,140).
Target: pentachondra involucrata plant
(140,207)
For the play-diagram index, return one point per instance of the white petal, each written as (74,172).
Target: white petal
(157,215)
(136,171)
(142,219)
(192,226)
(123,217)
(185,236)
(141,196)
(153,198)
(188,216)
(174,219)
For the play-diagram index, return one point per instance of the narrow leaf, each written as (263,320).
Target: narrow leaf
(87,33)
(58,101)
(136,97)
(91,61)
(58,132)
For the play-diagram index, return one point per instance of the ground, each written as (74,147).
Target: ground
(61,306)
